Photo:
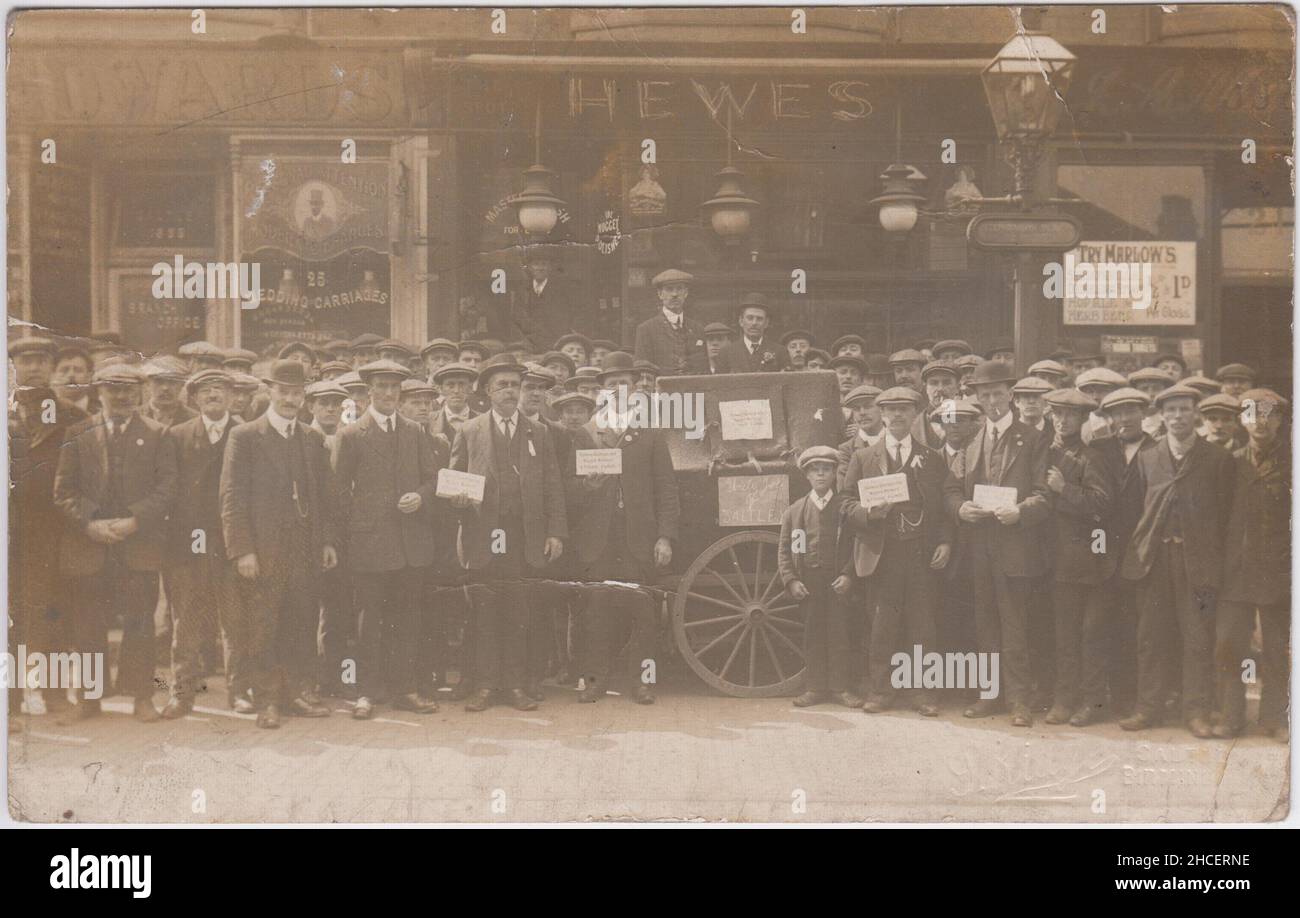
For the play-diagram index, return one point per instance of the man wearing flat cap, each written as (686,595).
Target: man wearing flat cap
(670,340)
(278,520)
(1176,559)
(1236,379)
(115,485)
(753,352)
(386,472)
(898,546)
(907,365)
(1219,416)
(38,424)
(201,355)
(939,385)
(717,337)
(518,528)
(1256,570)
(166,381)
(197,575)
(1003,538)
(1081,501)
(796,343)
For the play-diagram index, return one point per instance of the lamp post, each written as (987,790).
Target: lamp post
(1026,84)
(537,208)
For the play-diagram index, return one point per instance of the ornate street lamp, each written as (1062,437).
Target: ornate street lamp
(899,198)
(730,210)
(1025,84)
(537,208)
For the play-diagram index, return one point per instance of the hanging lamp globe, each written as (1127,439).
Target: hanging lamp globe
(536,207)
(730,210)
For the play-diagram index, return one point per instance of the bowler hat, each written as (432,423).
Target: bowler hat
(616,362)
(286,373)
(502,363)
(988,372)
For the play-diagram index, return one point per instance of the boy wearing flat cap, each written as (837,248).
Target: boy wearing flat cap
(815,561)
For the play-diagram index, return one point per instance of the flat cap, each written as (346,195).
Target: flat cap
(1150,374)
(972,360)
(606,344)
(816,353)
(1203,384)
(1179,391)
(1000,346)
(957,409)
(848,360)
(117,374)
(1100,376)
(906,355)
(436,344)
(818,454)
(951,344)
(538,373)
(239,355)
(382,368)
(1125,396)
(1220,401)
(472,345)
(862,393)
(847,339)
(206,377)
(671,276)
(925,344)
(1265,399)
(934,367)
(795,333)
(167,368)
(901,395)
(988,372)
(1170,355)
(335,366)
(1050,367)
(31,346)
(717,328)
(337,346)
(326,388)
(392,344)
(574,398)
(558,357)
(573,338)
(1032,385)
(416,386)
(244,382)
(1070,398)
(586,373)
(296,346)
(754,301)
(351,380)
(369,339)
(200,349)
(450,370)
(1235,371)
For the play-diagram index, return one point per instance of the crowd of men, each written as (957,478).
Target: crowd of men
(289,503)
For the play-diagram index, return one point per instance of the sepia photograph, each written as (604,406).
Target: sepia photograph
(627,416)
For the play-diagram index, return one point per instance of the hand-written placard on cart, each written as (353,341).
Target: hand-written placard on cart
(452,483)
(599,461)
(746,420)
(752,500)
(883,489)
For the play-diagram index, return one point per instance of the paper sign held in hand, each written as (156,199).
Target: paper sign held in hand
(885,489)
(746,420)
(991,497)
(452,483)
(599,461)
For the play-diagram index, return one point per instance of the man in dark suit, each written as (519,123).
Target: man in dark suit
(1126,410)
(455,382)
(278,521)
(166,381)
(717,338)
(899,546)
(1002,539)
(1257,569)
(386,474)
(200,584)
(542,306)
(1176,557)
(753,352)
(624,531)
(670,340)
(519,525)
(38,424)
(115,485)
(1081,562)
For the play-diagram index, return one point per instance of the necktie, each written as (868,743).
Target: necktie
(508,427)
(388,425)
(898,456)
(288,431)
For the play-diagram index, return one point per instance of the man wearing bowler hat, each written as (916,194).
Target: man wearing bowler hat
(1002,536)
(1176,559)
(753,353)
(386,473)
(278,521)
(518,527)
(115,485)
(197,575)
(670,340)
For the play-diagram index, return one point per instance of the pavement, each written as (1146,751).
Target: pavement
(694,756)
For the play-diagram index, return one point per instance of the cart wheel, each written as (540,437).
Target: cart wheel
(733,621)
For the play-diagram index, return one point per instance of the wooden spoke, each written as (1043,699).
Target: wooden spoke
(758,567)
(712,621)
(753,654)
(713,600)
(740,571)
(723,580)
(740,641)
(785,621)
(776,578)
(717,640)
(771,654)
(789,643)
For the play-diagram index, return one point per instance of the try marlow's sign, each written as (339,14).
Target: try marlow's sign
(1140,282)
(313,210)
